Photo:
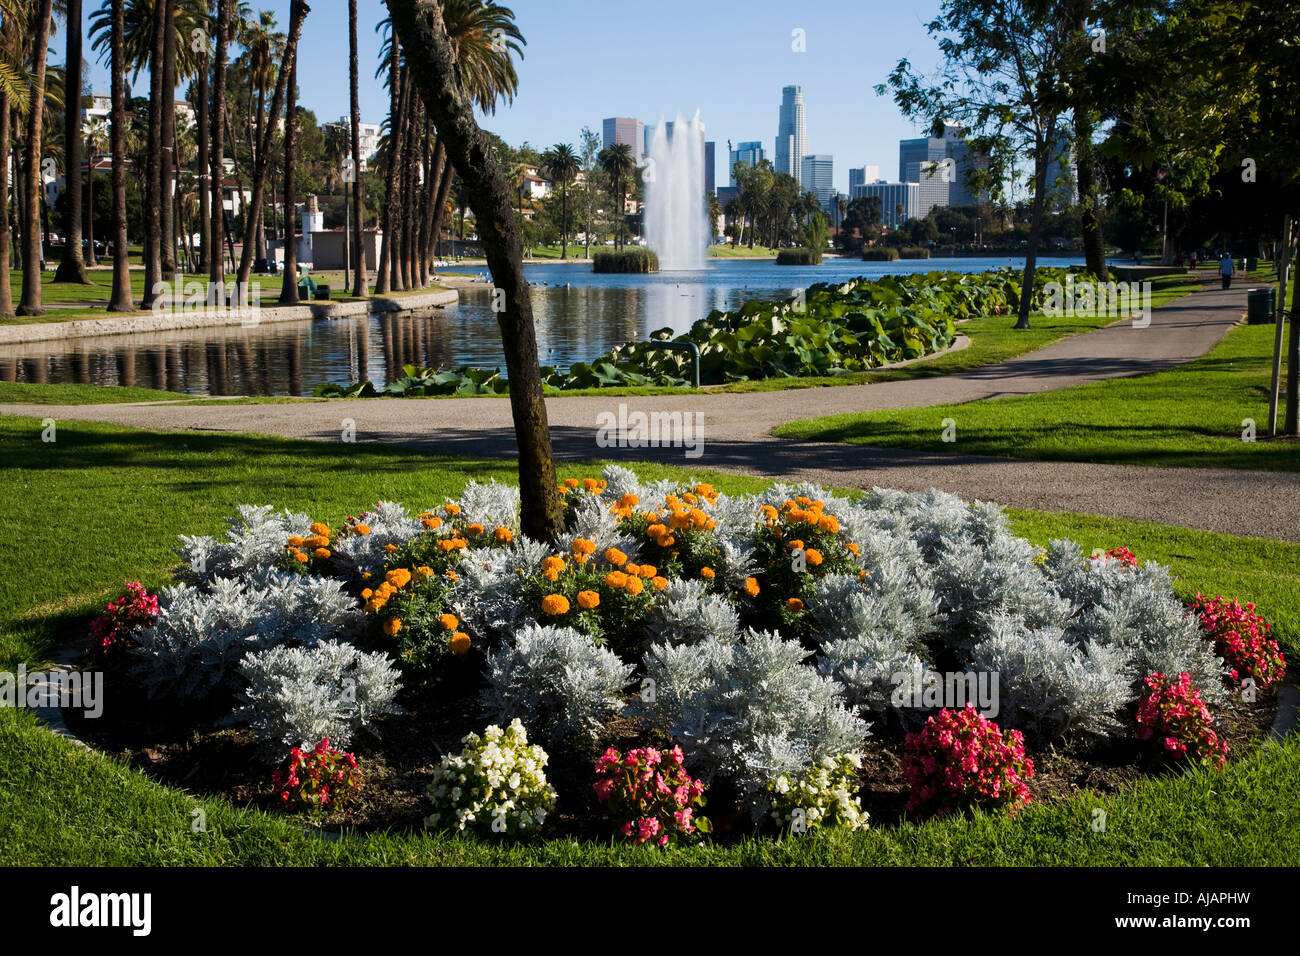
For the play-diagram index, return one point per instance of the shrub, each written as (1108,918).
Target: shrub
(651,794)
(823,796)
(495,785)
(750,711)
(879,254)
(1175,718)
(318,780)
(1241,638)
(1053,687)
(799,257)
(195,646)
(297,695)
(254,540)
(686,613)
(557,680)
(114,630)
(914,252)
(625,260)
(960,759)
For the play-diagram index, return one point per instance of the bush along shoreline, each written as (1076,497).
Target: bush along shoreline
(832,329)
(677,662)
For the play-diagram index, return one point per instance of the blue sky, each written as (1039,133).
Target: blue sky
(589,59)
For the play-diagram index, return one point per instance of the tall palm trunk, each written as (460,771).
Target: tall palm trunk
(153,274)
(361,286)
(121,298)
(72,268)
(396,201)
(205,151)
(298,11)
(428,237)
(408,194)
(440,201)
(383,277)
(6,292)
(216,265)
(289,286)
(167,159)
(433,63)
(32,233)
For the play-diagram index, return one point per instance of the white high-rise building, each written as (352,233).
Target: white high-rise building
(791,133)
(817,176)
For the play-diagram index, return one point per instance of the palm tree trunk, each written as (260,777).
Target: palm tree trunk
(289,286)
(434,67)
(361,284)
(409,199)
(440,201)
(205,150)
(383,278)
(434,183)
(72,268)
(167,154)
(216,266)
(396,200)
(153,276)
(297,13)
(121,299)
(32,233)
(6,291)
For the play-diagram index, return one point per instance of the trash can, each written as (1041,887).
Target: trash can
(1252,263)
(322,292)
(1261,306)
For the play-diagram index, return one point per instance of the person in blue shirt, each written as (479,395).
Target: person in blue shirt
(1225,269)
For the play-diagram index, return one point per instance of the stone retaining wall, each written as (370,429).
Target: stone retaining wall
(166,321)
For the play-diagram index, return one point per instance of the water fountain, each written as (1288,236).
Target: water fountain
(676,218)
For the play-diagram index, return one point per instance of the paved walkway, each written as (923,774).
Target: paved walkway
(737,430)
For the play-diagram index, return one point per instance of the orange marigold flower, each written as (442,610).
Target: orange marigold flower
(659,582)
(680,519)
(705,489)
(588,599)
(555,604)
(300,558)
(796,545)
(451,509)
(392,626)
(504,535)
(667,541)
(460,643)
(656,531)
(449,622)
(390,548)
(322,552)
(708,574)
(794,605)
(583,546)
(362,529)
(829,523)
(803,502)
(570,482)
(295,542)
(398,577)
(475,529)
(629,501)
(425,571)
(768,512)
(633,569)
(853,548)
(616,579)
(322,529)
(367,594)
(751,587)
(615,556)
(451,575)
(432,523)
(633,586)
(813,556)
(647,570)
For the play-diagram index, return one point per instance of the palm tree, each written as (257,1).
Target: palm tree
(13,96)
(361,285)
(96,134)
(562,163)
(289,284)
(715,213)
(619,163)
(72,268)
(216,261)
(120,300)
(32,232)
(390,57)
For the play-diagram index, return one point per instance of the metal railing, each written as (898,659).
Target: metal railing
(690,348)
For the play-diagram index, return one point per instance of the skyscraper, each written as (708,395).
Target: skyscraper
(863,175)
(791,133)
(936,149)
(749,153)
(710,161)
(898,201)
(816,175)
(625,130)
(935,180)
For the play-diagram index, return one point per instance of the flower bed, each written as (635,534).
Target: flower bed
(781,655)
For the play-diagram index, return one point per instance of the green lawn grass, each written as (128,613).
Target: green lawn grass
(1193,415)
(104,504)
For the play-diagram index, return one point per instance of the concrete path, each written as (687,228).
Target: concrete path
(737,430)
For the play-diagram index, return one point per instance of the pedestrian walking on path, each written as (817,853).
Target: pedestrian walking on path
(1225,269)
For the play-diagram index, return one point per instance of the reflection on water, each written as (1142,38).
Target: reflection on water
(578,315)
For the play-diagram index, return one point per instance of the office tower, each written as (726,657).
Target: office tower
(898,201)
(935,149)
(749,153)
(629,132)
(816,175)
(1062,175)
(710,160)
(791,132)
(863,175)
(935,182)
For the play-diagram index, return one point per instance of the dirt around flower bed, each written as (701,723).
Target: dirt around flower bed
(194,750)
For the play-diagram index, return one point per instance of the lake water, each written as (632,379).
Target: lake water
(579,315)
